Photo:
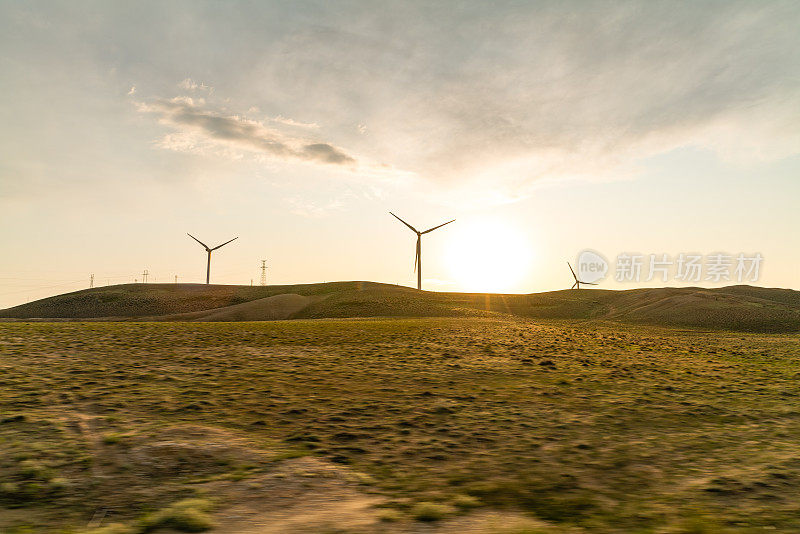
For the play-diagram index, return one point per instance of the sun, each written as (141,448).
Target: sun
(488,255)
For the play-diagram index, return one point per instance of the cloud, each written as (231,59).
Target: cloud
(202,130)
(291,122)
(326,153)
(496,99)
(508,98)
(190,85)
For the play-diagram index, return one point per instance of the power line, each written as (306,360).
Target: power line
(44,287)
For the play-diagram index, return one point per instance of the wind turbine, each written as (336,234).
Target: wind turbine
(418,257)
(210,250)
(578,283)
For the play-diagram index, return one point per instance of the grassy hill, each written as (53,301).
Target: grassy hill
(743,308)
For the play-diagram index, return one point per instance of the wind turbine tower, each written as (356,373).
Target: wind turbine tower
(209,251)
(263,272)
(418,256)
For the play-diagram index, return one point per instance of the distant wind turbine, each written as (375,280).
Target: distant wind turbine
(578,283)
(210,250)
(418,257)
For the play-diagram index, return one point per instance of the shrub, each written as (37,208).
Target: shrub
(33,469)
(188,515)
(112,438)
(389,515)
(8,490)
(189,520)
(429,511)
(58,484)
(466,501)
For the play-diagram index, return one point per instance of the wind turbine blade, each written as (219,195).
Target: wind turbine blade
(416,260)
(193,237)
(590,283)
(573,272)
(435,227)
(402,221)
(225,243)
(573,285)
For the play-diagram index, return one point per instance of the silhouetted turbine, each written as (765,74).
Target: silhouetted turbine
(210,250)
(578,283)
(418,256)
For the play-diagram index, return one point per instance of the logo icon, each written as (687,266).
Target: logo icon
(592,266)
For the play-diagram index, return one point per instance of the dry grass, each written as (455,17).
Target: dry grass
(600,428)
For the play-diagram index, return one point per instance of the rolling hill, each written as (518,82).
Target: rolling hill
(744,308)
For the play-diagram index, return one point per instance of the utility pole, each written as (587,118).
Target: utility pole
(144,276)
(91,281)
(263,272)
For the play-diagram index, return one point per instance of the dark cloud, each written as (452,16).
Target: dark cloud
(210,129)
(327,154)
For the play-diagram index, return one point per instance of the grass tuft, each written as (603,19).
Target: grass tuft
(465,502)
(188,515)
(429,511)
(112,438)
(389,515)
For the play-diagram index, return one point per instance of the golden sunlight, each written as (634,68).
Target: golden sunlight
(487,255)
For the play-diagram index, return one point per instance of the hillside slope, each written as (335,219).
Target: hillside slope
(150,300)
(743,308)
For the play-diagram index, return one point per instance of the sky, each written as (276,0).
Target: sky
(543,128)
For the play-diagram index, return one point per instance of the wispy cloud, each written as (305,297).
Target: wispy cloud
(292,122)
(496,99)
(190,85)
(200,129)
(506,99)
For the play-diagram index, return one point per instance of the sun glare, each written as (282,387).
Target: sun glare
(488,256)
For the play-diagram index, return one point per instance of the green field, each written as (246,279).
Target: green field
(397,425)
